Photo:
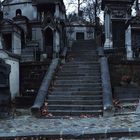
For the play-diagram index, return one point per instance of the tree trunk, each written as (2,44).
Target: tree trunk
(78,7)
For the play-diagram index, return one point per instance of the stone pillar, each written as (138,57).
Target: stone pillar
(1,45)
(16,43)
(108,39)
(56,46)
(44,52)
(57,12)
(129,52)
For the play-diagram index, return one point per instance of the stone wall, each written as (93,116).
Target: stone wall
(13,61)
(118,69)
(27,9)
(74,29)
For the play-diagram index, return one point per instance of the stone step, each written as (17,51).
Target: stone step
(87,88)
(82,69)
(86,64)
(75,112)
(74,97)
(78,77)
(82,66)
(84,56)
(78,85)
(74,107)
(85,69)
(73,102)
(80,93)
(84,50)
(79,71)
(82,81)
(87,59)
(78,65)
(129,100)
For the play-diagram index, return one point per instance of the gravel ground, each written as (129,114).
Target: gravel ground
(28,125)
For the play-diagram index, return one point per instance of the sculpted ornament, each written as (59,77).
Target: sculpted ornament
(118,14)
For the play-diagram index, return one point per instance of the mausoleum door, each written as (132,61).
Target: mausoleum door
(49,43)
(118,32)
(80,36)
(7,38)
(136,39)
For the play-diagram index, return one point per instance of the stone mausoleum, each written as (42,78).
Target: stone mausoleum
(80,30)
(122,27)
(30,30)
(117,13)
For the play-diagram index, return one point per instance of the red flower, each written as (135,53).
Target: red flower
(126,78)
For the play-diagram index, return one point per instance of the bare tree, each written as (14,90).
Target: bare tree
(87,9)
(92,10)
(77,4)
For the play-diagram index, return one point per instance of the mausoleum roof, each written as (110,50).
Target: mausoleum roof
(5,2)
(47,1)
(104,2)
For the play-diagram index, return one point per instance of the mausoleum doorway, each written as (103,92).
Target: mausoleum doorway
(49,42)
(80,36)
(7,40)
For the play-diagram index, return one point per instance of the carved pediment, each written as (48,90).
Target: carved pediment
(49,22)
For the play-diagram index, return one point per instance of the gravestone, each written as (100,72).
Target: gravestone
(5,96)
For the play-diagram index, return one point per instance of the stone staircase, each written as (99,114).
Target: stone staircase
(78,89)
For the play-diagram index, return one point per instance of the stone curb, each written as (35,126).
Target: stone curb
(104,133)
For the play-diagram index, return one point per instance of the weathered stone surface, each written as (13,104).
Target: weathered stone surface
(5,96)
(106,84)
(119,127)
(83,66)
(43,91)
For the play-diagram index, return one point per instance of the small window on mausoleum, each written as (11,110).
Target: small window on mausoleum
(18,12)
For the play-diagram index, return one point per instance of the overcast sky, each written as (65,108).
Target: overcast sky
(69,9)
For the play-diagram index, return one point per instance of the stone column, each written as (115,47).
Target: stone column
(129,52)
(108,39)
(16,43)
(56,46)
(57,12)
(1,45)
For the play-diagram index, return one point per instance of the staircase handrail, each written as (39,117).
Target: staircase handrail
(100,51)
(43,90)
(106,84)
